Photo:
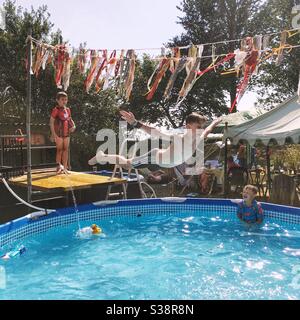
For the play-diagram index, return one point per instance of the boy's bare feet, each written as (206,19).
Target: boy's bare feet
(59,170)
(100,157)
(92,161)
(97,158)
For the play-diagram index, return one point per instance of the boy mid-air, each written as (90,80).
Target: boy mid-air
(162,158)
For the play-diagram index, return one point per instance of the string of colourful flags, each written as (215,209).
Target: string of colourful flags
(106,69)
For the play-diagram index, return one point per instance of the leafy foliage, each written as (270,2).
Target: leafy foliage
(91,112)
(275,84)
(203,21)
(287,157)
(213,21)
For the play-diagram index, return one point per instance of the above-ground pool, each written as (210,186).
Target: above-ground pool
(153,249)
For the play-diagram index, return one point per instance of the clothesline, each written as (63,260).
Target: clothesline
(172,58)
(170,48)
(105,69)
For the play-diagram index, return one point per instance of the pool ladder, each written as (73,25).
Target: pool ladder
(124,184)
(119,169)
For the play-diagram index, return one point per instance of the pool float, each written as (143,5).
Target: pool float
(14,253)
(89,231)
(96,229)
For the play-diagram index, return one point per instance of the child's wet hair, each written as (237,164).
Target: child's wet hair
(195,118)
(252,188)
(61,94)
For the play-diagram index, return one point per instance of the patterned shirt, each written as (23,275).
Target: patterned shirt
(63,121)
(250,214)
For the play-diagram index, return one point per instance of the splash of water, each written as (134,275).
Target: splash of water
(73,197)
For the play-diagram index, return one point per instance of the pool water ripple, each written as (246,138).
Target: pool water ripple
(182,256)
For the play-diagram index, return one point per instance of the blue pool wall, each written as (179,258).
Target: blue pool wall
(26,226)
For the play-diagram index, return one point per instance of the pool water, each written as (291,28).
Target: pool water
(179,256)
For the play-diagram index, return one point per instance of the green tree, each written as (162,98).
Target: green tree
(213,21)
(13,44)
(203,98)
(91,112)
(275,83)
(204,22)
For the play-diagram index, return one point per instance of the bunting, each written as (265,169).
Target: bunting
(107,69)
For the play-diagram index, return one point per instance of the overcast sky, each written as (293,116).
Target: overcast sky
(117,24)
(114,23)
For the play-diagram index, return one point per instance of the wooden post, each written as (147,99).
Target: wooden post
(28,117)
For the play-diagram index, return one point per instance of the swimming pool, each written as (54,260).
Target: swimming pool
(173,248)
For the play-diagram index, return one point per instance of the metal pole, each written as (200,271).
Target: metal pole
(269,170)
(28,117)
(2,152)
(225,183)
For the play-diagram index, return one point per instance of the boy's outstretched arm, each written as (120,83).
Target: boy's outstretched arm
(240,212)
(210,128)
(130,118)
(260,214)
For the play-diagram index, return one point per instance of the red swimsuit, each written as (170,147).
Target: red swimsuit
(63,121)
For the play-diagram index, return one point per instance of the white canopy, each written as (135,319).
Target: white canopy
(280,123)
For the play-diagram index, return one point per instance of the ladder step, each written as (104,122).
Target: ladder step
(48,199)
(115,194)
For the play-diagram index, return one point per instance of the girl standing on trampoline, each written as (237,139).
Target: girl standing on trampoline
(61,126)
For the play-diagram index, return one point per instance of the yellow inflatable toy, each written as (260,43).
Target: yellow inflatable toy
(96,229)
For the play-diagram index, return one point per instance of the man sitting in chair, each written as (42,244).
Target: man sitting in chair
(231,163)
(159,177)
(162,158)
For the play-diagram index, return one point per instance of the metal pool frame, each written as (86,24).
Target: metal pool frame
(40,222)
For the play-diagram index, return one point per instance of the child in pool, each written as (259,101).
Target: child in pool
(249,210)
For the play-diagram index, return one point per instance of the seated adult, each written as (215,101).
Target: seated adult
(241,155)
(159,177)
(231,164)
(204,179)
